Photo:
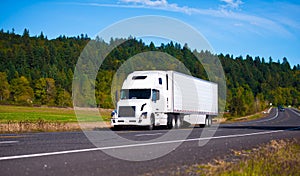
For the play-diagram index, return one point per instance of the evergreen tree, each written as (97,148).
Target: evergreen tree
(4,87)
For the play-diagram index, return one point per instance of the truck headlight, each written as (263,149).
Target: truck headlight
(143,115)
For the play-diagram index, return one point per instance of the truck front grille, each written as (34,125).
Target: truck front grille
(126,111)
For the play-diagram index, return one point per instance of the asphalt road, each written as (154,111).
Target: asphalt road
(137,152)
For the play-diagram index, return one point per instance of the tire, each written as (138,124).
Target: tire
(152,123)
(201,125)
(116,128)
(209,121)
(170,121)
(179,122)
(174,122)
(206,123)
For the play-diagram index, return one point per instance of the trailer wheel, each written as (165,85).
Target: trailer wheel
(209,121)
(206,123)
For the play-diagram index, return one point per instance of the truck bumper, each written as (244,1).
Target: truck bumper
(129,122)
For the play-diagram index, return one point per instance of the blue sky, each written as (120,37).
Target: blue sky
(258,27)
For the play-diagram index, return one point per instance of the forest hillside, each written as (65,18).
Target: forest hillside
(35,70)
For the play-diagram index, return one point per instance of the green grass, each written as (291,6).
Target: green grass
(47,114)
(276,158)
(246,118)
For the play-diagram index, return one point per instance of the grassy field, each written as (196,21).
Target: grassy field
(279,157)
(47,114)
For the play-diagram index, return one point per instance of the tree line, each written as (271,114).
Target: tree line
(37,71)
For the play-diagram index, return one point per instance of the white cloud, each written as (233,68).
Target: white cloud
(233,4)
(148,2)
(225,12)
(238,24)
(160,4)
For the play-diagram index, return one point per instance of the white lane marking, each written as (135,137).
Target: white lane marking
(8,142)
(269,110)
(138,145)
(263,120)
(294,111)
(153,134)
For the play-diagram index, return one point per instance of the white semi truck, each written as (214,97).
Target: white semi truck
(168,98)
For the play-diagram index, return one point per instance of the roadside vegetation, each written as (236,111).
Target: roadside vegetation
(35,114)
(28,119)
(279,157)
(229,118)
(46,114)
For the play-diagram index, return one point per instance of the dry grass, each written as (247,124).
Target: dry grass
(279,157)
(43,126)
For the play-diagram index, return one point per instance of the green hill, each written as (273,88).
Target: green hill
(35,70)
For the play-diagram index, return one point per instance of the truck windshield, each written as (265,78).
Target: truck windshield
(135,94)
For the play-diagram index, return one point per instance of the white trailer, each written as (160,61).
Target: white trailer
(154,98)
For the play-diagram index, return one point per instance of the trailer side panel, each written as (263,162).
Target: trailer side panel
(194,96)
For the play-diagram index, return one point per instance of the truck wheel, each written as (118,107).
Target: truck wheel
(179,122)
(170,121)
(116,128)
(208,121)
(201,125)
(174,122)
(205,123)
(152,122)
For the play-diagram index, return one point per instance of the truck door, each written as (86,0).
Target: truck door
(158,105)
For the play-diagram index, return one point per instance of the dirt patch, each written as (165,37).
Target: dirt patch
(26,126)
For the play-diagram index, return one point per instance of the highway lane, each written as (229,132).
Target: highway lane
(71,153)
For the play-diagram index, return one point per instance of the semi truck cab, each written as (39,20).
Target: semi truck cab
(142,100)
